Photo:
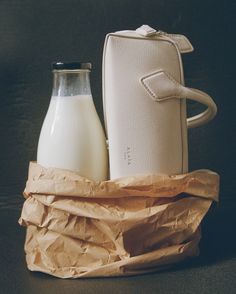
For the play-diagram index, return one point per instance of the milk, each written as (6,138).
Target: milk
(72,137)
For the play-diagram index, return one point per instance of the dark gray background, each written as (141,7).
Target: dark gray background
(35,33)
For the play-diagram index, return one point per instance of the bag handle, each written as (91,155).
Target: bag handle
(203,98)
(162,86)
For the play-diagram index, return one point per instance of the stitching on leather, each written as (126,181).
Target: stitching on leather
(155,96)
(171,78)
(183,145)
(148,89)
(188,46)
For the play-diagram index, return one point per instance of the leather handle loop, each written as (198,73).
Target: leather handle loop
(162,86)
(203,98)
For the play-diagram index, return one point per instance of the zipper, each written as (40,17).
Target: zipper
(159,32)
(149,35)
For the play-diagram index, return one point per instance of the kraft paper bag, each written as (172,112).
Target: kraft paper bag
(80,228)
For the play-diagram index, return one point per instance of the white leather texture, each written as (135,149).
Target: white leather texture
(146,132)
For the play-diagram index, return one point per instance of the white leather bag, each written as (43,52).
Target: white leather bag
(144,100)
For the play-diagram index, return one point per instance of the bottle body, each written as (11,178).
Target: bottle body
(72,136)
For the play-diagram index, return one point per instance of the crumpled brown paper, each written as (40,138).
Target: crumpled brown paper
(80,228)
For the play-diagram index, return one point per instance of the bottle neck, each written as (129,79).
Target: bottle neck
(71,82)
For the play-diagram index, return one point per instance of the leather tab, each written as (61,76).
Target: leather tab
(161,86)
(182,43)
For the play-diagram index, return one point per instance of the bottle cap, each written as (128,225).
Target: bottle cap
(71,65)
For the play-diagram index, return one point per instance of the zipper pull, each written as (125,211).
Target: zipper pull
(146,31)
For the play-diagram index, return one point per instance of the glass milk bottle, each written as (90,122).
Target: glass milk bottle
(72,136)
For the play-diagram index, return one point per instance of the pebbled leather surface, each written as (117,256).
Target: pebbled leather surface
(143,135)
